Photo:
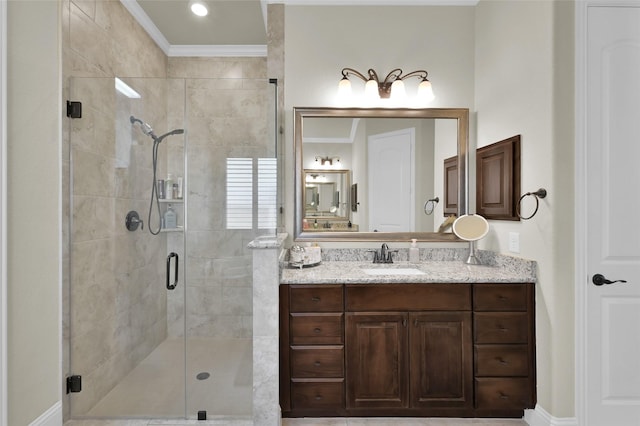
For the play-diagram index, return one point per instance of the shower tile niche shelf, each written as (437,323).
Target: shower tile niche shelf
(177,229)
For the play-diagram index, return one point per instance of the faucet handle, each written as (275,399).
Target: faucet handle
(389,258)
(376,255)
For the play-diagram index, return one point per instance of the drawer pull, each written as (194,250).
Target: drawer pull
(318,397)
(503,396)
(502,298)
(317,364)
(503,329)
(501,361)
(317,330)
(315,299)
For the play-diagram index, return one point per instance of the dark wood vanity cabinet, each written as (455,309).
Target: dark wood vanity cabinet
(504,348)
(312,348)
(464,350)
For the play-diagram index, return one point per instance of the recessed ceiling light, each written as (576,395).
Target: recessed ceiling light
(198,7)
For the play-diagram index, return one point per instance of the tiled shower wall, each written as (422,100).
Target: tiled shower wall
(114,270)
(226,116)
(113,314)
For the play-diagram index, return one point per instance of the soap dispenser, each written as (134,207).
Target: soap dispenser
(170,218)
(414,252)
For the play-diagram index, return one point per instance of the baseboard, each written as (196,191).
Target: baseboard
(540,417)
(51,417)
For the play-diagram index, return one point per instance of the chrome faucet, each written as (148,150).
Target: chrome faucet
(383,255)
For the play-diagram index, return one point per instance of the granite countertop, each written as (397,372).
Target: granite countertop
(496,268)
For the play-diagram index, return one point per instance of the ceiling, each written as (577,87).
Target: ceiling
(232,27)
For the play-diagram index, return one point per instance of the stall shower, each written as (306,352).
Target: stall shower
(157,314)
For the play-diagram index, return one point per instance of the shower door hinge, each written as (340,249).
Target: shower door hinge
(74,109)
(74,384)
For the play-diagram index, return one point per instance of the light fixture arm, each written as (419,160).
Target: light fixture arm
(347,71)
(384,86)
(419,73)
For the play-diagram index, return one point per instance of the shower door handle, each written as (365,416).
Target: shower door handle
(171,286)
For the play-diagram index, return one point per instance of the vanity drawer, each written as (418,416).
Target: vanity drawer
(325,298)
(317,394)
(500,297)
(317,361)
(503,393)
(501,327)
(408,297)
(318,329)
(501,360)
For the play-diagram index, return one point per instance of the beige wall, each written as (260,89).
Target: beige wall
(524,86)
(510,63)
(437,39)
(33,209)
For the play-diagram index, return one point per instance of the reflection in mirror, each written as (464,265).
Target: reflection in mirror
(395,159)
(326,201)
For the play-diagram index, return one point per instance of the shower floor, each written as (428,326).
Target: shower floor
(155,387)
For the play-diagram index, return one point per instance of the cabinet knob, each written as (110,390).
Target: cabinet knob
(317,330)
(318,397)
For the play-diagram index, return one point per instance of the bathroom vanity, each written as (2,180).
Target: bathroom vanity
(438,338)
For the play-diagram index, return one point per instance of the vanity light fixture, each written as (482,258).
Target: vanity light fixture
(391,87)
(326,161)
(198,7)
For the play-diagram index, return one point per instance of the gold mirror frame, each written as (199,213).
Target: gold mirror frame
(459,114)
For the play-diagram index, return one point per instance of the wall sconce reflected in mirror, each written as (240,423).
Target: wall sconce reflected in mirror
(326,161)
(391,87)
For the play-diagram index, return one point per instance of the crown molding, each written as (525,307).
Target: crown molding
(145,22)
(244,50)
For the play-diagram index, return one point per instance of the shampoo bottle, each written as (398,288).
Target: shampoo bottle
(414,252)
(170,218)
(168,183)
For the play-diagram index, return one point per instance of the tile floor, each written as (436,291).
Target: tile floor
(310,422)
(229,363)
(154,388)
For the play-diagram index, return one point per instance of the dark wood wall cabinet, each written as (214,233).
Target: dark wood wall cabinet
(416,350)
(498,179)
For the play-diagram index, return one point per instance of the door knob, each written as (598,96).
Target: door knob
(599,279)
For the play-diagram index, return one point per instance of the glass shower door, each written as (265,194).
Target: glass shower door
(125,276)
(233,176)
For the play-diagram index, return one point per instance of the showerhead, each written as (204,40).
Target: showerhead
(146,129)
(173,132)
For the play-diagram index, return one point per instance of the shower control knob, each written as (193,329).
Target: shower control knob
(132,221)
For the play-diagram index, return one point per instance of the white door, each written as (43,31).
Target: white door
(391,174)
(612,311)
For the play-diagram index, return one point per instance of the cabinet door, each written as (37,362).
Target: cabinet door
(441,359)
(377,360)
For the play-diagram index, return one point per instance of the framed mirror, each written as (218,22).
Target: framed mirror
(389,162)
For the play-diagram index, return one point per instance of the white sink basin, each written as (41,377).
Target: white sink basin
(392,271)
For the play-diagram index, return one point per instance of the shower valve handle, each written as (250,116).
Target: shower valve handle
(133,220)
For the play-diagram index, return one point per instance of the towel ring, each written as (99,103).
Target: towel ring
(540,193)
(429,205)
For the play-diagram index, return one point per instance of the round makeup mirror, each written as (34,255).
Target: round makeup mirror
(471,228)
